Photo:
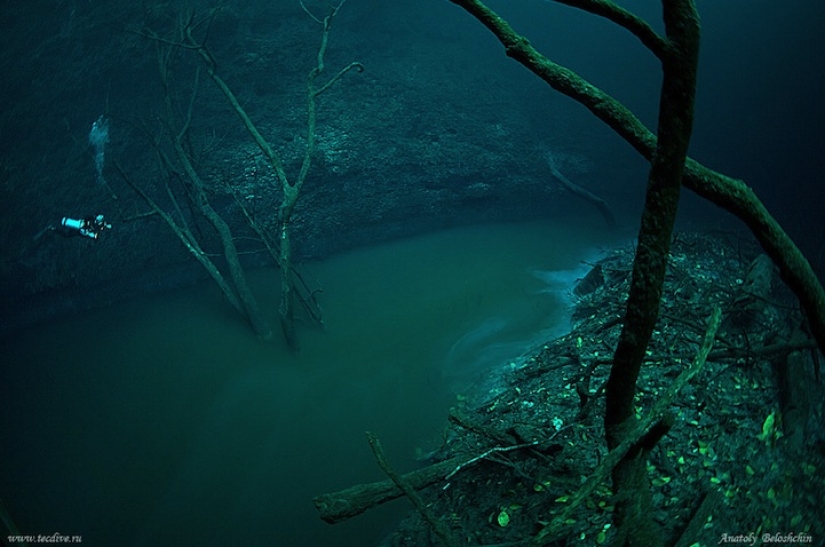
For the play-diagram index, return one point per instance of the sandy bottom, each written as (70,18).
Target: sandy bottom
(165,422)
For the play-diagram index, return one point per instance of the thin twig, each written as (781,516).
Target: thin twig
(436,524)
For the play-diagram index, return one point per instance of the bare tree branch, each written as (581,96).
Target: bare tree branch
(624,18)
(731,194)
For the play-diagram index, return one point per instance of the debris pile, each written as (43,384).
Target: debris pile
(745,454)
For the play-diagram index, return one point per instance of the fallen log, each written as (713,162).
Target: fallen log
(344,504)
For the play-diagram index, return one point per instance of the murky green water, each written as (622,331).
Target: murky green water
(164,422)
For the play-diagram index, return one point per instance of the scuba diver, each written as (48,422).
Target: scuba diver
(91,226)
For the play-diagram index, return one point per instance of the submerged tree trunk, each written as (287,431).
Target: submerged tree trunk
(235,289)
(286,310)
(237,273)
(678,53)
(679,64)
(291,190)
